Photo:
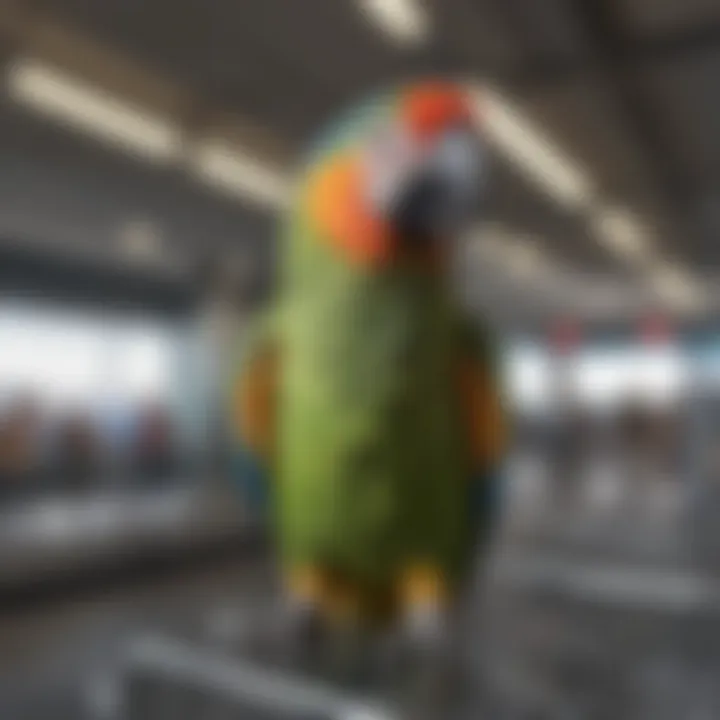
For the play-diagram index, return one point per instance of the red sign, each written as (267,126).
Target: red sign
(655,330)
(566,335)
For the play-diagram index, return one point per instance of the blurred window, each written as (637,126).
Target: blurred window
(600,378)
(606,378)
(528,373)
(69,359)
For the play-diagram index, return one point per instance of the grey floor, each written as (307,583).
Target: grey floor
(53,660)
(593,619)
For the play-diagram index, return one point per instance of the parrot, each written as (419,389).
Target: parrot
(367,402)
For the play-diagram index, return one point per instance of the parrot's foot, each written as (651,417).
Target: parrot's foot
(303,640)
(301,633)
(425,629)
(289,636)
(297,625)
(434,688)
(348,658)
(432,682)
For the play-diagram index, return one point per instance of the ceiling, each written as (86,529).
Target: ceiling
(625,91)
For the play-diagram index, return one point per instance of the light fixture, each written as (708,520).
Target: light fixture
(530,150)
(405,21)
(525,260)
(622,234)
(558,177)
(677,288)
(518,256)
(90,109)
(225,167)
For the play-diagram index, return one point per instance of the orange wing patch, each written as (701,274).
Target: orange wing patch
(254,399)
(485,417)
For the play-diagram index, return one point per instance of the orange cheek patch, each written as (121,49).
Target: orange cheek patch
(432,107)
(338,208)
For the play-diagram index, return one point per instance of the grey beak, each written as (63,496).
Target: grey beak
(419,207)
(444,193)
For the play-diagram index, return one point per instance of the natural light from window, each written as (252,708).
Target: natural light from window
(67,358)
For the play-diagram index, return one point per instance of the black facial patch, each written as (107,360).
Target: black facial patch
(418,210)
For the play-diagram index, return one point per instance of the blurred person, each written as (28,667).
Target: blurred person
(671,442)
(370,393)
(572,450)
(666,436)
(642,445)
(20,457)
(77,456)
(704,509)
(154,450)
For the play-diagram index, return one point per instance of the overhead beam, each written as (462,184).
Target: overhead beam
(639,51)
(613,49)
(611,57)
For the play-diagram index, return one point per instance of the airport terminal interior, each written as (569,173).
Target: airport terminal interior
(147,152)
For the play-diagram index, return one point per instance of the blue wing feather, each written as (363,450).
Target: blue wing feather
(252,481)
(485,502)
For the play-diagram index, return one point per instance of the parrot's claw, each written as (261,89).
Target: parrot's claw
(290,637)
(349,657)
(426,629)
(301,631)
(432,679)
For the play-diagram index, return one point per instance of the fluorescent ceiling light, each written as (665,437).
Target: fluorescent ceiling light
(90,109)
(622,234)
(525,260)
(405,21)
(531,150)
(517,255)
(677,288)
(617,228)
(225,167)
(558,176)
